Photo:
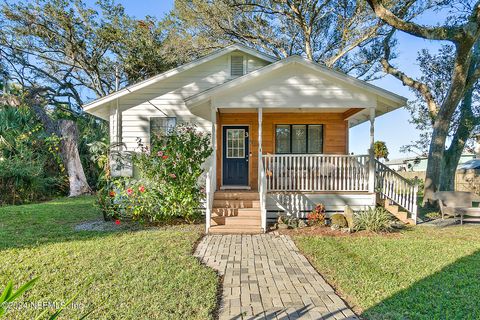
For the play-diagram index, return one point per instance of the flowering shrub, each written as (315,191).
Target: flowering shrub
(168,185)
(317,216)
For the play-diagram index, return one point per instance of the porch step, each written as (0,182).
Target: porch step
(227,229)
(235,212)
(394,209)
(243,203)
(237,195)
(236,221)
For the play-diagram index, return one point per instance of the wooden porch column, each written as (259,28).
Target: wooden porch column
(371,171)
(214,145)
(260,119)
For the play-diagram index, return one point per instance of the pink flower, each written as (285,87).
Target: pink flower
(141,189)
(117,222)
(172,175)
(160,153)
(129,191)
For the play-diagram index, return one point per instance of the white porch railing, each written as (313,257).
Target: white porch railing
(396,188)
(210,186)
(308,172)
(262,187)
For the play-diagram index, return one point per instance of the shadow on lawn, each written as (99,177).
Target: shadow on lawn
(451,293)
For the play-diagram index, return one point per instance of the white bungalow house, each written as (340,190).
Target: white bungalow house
(280,131)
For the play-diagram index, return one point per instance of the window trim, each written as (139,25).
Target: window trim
(306,136)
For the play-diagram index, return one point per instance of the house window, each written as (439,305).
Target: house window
(299,138)
(237,66)
(162,125)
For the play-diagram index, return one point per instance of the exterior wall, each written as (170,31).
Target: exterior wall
(335,135)
(166,99)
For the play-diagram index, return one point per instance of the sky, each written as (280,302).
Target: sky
(394,127)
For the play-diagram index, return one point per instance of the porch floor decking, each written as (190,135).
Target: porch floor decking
(266,277)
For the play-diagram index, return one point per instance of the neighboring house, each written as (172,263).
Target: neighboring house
(293,114)
(419,163)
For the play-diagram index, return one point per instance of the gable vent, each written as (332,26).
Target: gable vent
(237,66)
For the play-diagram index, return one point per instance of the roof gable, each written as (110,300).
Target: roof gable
(282,64)
(104,101)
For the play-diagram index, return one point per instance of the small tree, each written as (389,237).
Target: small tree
(380,150)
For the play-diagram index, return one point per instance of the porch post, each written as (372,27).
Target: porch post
(214,147)
(260,119)
(371,171)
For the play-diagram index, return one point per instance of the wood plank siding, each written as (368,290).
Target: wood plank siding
(335,134)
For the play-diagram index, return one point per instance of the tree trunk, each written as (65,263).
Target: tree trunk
(442,121)
(462,134)
(68,133)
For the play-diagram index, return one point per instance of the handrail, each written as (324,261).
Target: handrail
(396,188)
(316,172)
(263,194)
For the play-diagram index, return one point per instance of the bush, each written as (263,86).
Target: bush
(168,186)
(23,179)
(317,216)
(374,219)
(338,220)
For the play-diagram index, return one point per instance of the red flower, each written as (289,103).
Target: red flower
(117,222)
(129,191)
(141,188)
(111,194)
(164,157)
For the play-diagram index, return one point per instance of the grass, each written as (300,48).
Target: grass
(424,273)
(124,274)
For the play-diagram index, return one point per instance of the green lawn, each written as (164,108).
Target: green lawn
(125,274)
(425,273)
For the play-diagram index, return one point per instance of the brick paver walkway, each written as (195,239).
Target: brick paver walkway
(266,277)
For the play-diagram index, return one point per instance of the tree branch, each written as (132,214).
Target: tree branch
(454,34)
(422,88)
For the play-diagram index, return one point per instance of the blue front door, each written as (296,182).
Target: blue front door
(235,156)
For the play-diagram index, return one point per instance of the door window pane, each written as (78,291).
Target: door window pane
(282,138)
(299,138)
(315,138)
(235,143)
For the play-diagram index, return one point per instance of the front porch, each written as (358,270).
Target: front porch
(246,145)
(249,182)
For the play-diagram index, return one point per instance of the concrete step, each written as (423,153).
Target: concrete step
(236,203)
(235,212)
(237,195)
(234,230)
